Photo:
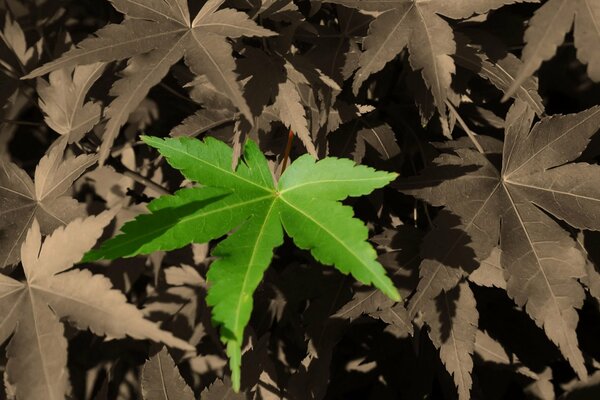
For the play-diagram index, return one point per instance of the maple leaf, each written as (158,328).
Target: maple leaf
(22,200)
(305,202)
(37,352)
(418,26)
(509,204)
(16,58)
(221,389)
(491,351)
(161,379)
(490,272)
(547,29)
(452,331)
(202,121)
(500,72)
(363,130)
(62,100)
(296,91)
(155,35)
(340,63)
(289,106)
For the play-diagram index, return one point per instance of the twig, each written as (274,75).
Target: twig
(18,122)
(472,135)
(177,94)
(288,149)
(120,167)
(144,181)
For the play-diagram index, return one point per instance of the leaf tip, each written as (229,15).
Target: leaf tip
(147,139)
(234,351)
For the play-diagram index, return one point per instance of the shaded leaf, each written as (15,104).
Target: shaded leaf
(161,379)
(452,319)
(32,309)
(490,273)
(155,39)
(22,200)
(491,351)
(63,100)
(541,259)
(501,73)
(221,390)
(547,30)
(291,112)
(420,27)
(202,121)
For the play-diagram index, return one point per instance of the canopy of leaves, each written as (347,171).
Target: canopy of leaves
(492,240)
(305,201)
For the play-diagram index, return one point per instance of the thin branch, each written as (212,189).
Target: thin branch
(177,94)
(145,181)
(472,135)
(288,149)
(19,122)
(142,180)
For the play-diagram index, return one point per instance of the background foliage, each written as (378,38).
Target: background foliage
(487,109)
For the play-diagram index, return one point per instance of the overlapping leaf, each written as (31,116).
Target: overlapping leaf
(31,310)
(418,26)
(452,319)
(547,30)
(510,206)
(22,200)
(305,202)
(155,36)
(161,379)
(62,100)
(501,73)
(17,58)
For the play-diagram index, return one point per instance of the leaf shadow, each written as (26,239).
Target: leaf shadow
(449,244)
(401,256)
(445,302)
(438,175)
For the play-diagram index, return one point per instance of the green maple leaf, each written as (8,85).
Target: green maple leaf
(305,203)
(155,35)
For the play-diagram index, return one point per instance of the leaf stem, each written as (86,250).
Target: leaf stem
(472,135)
(177,94)
(142,180)
(145,181)
(18,122)
(288,149)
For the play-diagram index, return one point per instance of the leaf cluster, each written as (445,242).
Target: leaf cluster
(299,199)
